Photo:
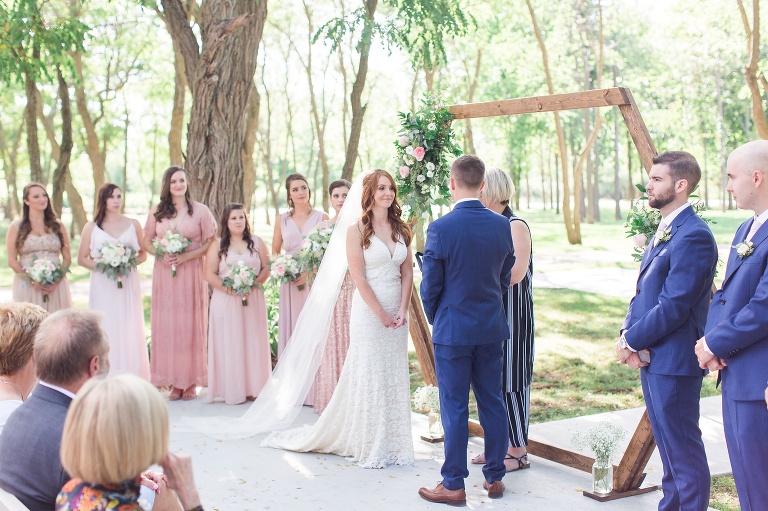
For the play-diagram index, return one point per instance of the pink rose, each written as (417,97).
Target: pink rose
(405,172)
(418,153)
(403,141)
(280,270)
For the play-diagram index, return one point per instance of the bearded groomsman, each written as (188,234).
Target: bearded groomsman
(665,319)
(736,340)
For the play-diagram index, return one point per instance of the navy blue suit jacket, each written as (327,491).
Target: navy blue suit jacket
(737,325)
(669,310)
(466,269)
(30,466)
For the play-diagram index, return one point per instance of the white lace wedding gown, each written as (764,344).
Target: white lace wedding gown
(368,418)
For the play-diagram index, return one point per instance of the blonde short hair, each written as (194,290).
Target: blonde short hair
(499,188)
(115,429)
(19,322)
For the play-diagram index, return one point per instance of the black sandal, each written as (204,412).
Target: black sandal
(522,462)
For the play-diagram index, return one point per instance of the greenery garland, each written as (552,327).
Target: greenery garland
(423,144)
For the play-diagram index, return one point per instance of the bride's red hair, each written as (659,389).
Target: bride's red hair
(399,228)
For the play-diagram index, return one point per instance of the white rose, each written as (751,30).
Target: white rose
(430,173)
(430,166)
(409,150)
(431,126)
(420,178)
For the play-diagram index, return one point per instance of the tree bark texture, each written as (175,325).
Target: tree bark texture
(9,156)
(92,146)
(220,76)
(30,119)
(358,109)
(177,114)
(751,71)
(249,143)
(65,148)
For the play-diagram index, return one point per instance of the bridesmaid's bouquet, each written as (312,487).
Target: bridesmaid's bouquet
(170,243)
(313,249)
(241,280)
(285,268)
(45,272)
(117,260)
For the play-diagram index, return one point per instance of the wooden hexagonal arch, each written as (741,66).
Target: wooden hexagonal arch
(628,475)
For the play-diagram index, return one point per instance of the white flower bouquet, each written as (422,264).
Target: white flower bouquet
(45,273)
(241,280)
(313,249)
(170,243)
(427,399)
(285,268)
(601,439)
(117,260)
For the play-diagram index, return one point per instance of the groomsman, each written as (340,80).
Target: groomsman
(665,319)
(736,340)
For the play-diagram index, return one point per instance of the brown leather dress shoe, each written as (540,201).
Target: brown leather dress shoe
(442,495)
(495,489)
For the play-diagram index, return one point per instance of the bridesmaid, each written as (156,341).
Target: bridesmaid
(290,230)
(239,359)
(38,235)
(123,309)
(179,317)
(338,337)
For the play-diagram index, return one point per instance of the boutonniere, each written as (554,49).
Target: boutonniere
(744,249)
(664,236)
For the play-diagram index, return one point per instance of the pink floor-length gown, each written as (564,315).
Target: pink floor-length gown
(239,360)
(291,299)
(122,308)
(48,247)
(179,317)
(335,347)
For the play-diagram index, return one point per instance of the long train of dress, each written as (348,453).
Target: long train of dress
(368,418)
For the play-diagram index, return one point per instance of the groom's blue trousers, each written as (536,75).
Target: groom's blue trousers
(457,368)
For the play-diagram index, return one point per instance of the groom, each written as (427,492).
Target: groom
(467,264)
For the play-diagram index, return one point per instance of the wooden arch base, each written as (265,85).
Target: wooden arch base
(628,475)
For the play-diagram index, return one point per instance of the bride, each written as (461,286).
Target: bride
(368,418)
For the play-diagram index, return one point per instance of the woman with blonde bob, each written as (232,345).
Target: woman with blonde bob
(518,305)
(115,429)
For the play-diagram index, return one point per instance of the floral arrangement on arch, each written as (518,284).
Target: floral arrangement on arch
(643,221)
(423,143)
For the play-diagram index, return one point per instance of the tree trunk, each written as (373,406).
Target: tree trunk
(358,109)
(10,157)
(177,113)
(616,180)
(30,119)
(751,71)
(721,134)
(572,221)
(249,143)
(468,136)
(95,153)
(220,76)
(65,148)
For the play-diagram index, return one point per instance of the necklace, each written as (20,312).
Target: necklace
(14,386)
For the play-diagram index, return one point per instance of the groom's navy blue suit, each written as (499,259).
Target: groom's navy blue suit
(467,267)
(737,331)
(667,317)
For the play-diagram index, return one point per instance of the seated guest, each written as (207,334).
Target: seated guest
(70,348)
(18,324)
(115,429)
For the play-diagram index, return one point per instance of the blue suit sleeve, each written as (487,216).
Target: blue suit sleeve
(744,328)
(432,273)
(509,262)
(691,266)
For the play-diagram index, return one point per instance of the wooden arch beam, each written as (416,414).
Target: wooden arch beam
(628,475)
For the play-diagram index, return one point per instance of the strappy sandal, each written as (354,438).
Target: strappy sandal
(522,462)
(189,394)
(175,396)
(479,459)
